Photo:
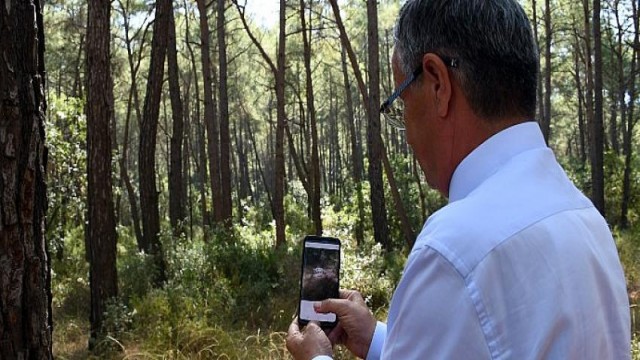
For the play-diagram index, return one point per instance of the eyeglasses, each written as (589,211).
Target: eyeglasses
(392,109)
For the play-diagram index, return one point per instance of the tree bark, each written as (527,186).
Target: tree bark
(102,226)
(25,281)
(210,116)
(540,100)
(597,127)
(311,111)
(582,127)
(176,182)
(631,121)
(148,137)
(278,198)
(374,140)
(546,119)
(223,103)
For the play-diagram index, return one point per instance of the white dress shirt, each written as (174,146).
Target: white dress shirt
(518,265)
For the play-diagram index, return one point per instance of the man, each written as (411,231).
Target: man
(519,264)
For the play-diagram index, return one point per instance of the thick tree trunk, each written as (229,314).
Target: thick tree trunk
(25,280)
(102,225)
(374,140)
(176,182)
(148,137)
(223,103)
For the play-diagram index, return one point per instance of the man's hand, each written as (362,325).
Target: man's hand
(308,343)
(356,324)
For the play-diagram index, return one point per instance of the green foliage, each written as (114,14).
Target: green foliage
(628,243)
(635,348)
(66,167)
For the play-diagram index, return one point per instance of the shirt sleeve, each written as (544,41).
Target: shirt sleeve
(375,349)
(432,315)
(322,357)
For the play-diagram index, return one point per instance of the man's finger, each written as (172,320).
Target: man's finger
(312,325)
(337,306)
(336,334)
(352,295)
(294,328)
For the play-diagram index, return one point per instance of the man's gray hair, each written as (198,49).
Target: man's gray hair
(493,42)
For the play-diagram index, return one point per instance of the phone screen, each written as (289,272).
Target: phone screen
(320,277)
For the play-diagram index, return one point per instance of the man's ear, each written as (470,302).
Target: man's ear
(439,82)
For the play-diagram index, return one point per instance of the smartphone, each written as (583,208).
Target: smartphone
(319,279)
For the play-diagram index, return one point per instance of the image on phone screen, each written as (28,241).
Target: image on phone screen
(320,277)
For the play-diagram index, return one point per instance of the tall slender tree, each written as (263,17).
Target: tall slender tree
(176,181)
(25,276)
(278,69)
(223,105)
(148,137)
(133,103)
(210,115)
(356,150)
(311,111)
(374,140)
(546,117)
(101,232)
(597,125)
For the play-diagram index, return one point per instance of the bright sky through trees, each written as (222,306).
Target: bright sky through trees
(264,12)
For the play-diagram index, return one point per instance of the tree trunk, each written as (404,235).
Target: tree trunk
(223,103)
(546,119)
(210,116)
(25,277)
(200,151)
(176,187)
(133,96)
(278,198)
(374,140)
(148,137)
(311,110)
(102,226)
(540,100)
(582,132)
(278,71)
(259,163)
(356,151)
(597,128)
(631,121)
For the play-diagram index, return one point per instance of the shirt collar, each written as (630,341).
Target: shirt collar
(487,158)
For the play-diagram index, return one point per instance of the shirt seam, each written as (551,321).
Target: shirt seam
(468,291)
